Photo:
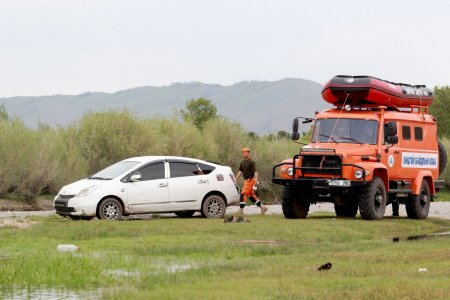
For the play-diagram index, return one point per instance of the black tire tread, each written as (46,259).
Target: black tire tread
(414,209)
(442,157)
(294,204)
(365,200)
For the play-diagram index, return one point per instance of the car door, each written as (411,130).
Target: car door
(150,193)
(187,185)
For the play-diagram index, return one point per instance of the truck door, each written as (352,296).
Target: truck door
(392,153)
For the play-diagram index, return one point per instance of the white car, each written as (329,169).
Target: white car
(151,184)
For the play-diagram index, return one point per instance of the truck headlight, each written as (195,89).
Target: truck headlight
(358,174)
(290,171)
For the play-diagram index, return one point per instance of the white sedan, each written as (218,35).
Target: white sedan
(151,184)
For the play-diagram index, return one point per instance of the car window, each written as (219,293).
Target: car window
(182,169)
(206,169)
(152,172)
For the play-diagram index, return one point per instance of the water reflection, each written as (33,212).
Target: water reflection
(49,294)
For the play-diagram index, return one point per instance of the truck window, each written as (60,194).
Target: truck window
(353,131)
(418,134)
(406,132)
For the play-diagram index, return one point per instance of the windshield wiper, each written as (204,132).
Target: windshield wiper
(328,137)
(351,139)
(99,178)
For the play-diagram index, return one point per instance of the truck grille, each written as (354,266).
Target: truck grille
(322,164)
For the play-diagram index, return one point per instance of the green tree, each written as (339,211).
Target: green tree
(198,111)
(440,109)
(283,135)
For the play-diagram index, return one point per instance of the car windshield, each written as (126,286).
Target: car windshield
(355,131)
(114,170)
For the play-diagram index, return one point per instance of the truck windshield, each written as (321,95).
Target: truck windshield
(354,131)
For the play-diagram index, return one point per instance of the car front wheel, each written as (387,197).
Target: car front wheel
(110,209)
(214,207)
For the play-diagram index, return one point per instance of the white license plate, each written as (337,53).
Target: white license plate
(343,183)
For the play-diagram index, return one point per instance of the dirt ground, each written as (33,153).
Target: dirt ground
(14,205)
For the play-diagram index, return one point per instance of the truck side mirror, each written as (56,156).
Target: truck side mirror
(391,128)
(392,139)
(295,136)
(295,126)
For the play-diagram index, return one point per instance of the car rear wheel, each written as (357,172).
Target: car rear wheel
(418,206)
(213,206)
(184,213)
(110,209)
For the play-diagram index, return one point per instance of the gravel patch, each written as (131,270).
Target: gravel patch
(437,210)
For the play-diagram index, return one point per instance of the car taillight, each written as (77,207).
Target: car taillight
(232,178)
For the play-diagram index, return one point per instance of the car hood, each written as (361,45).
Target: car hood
(75,187)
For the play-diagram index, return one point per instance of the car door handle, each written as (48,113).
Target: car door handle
(162,185)
(202,181)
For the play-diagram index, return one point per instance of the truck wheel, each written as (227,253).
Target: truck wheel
(418,206)
(345,205)
(372,200)
(442,158)
(295,205)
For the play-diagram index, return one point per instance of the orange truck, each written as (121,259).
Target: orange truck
(377,146)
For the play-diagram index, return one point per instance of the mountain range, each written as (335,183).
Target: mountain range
(260,106)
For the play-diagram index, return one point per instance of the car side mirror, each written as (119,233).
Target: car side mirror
(392,139)
(135,177)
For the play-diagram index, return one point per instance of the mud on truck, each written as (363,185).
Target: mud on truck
(378,146)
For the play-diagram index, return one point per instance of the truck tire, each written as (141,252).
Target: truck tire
(418,206)
(345,205)
(295,205)
(372,200)
(442,158)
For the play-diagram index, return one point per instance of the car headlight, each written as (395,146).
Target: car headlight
(87,191)
(358,174)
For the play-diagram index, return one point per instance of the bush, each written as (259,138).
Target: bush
(29,160)
(33,161)
(107,137)
(446,174)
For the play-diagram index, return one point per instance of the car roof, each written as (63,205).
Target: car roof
(144,159)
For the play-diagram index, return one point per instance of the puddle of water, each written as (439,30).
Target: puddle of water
(121,273)
(423,236)
(178,268)
(50,294)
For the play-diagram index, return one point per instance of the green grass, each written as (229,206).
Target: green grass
(269,258)
(443,195)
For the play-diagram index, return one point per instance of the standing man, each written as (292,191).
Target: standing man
(247,169)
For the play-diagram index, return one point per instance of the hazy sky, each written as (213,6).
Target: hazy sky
(69,47)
